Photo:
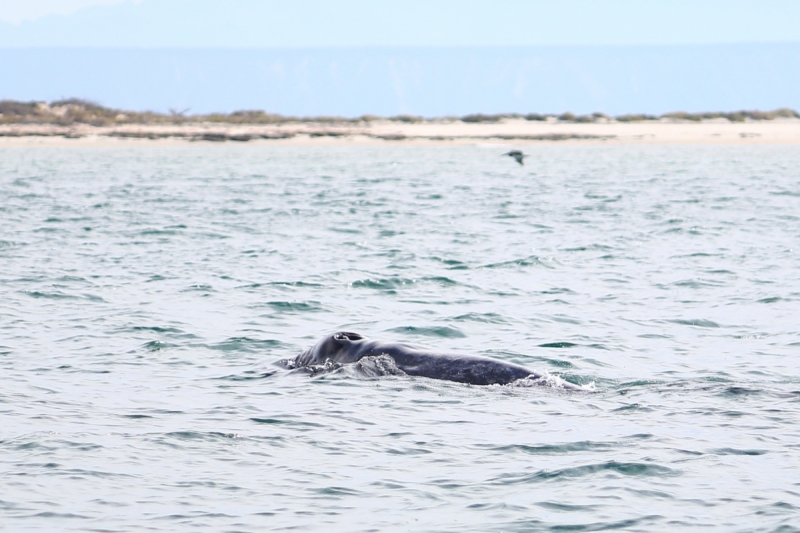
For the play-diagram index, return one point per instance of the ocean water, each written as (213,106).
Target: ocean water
(147,292)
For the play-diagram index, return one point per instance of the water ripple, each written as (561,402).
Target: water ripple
(148,291)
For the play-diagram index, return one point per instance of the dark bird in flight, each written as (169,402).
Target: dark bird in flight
(517,155)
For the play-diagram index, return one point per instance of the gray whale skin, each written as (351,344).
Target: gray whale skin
(345,347)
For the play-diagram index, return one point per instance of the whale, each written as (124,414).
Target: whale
(345,347)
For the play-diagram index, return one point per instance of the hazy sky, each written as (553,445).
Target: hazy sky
(320,23)
(17,11)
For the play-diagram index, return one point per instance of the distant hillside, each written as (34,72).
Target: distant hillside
(431,82)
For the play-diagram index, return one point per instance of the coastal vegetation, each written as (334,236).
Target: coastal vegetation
(74,111)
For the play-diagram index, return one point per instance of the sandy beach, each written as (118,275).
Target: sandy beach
(504,132)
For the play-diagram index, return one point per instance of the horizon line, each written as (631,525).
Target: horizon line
(67,111)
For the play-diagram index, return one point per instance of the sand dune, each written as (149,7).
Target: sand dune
(507,131)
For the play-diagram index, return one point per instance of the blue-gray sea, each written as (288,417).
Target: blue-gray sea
(147,292)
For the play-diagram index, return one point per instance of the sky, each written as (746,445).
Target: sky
(349,23)
(386,57)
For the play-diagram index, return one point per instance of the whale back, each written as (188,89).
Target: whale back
(344,347)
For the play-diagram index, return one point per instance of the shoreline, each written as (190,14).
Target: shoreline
(389,132)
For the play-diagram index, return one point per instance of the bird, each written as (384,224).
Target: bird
(517,155)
